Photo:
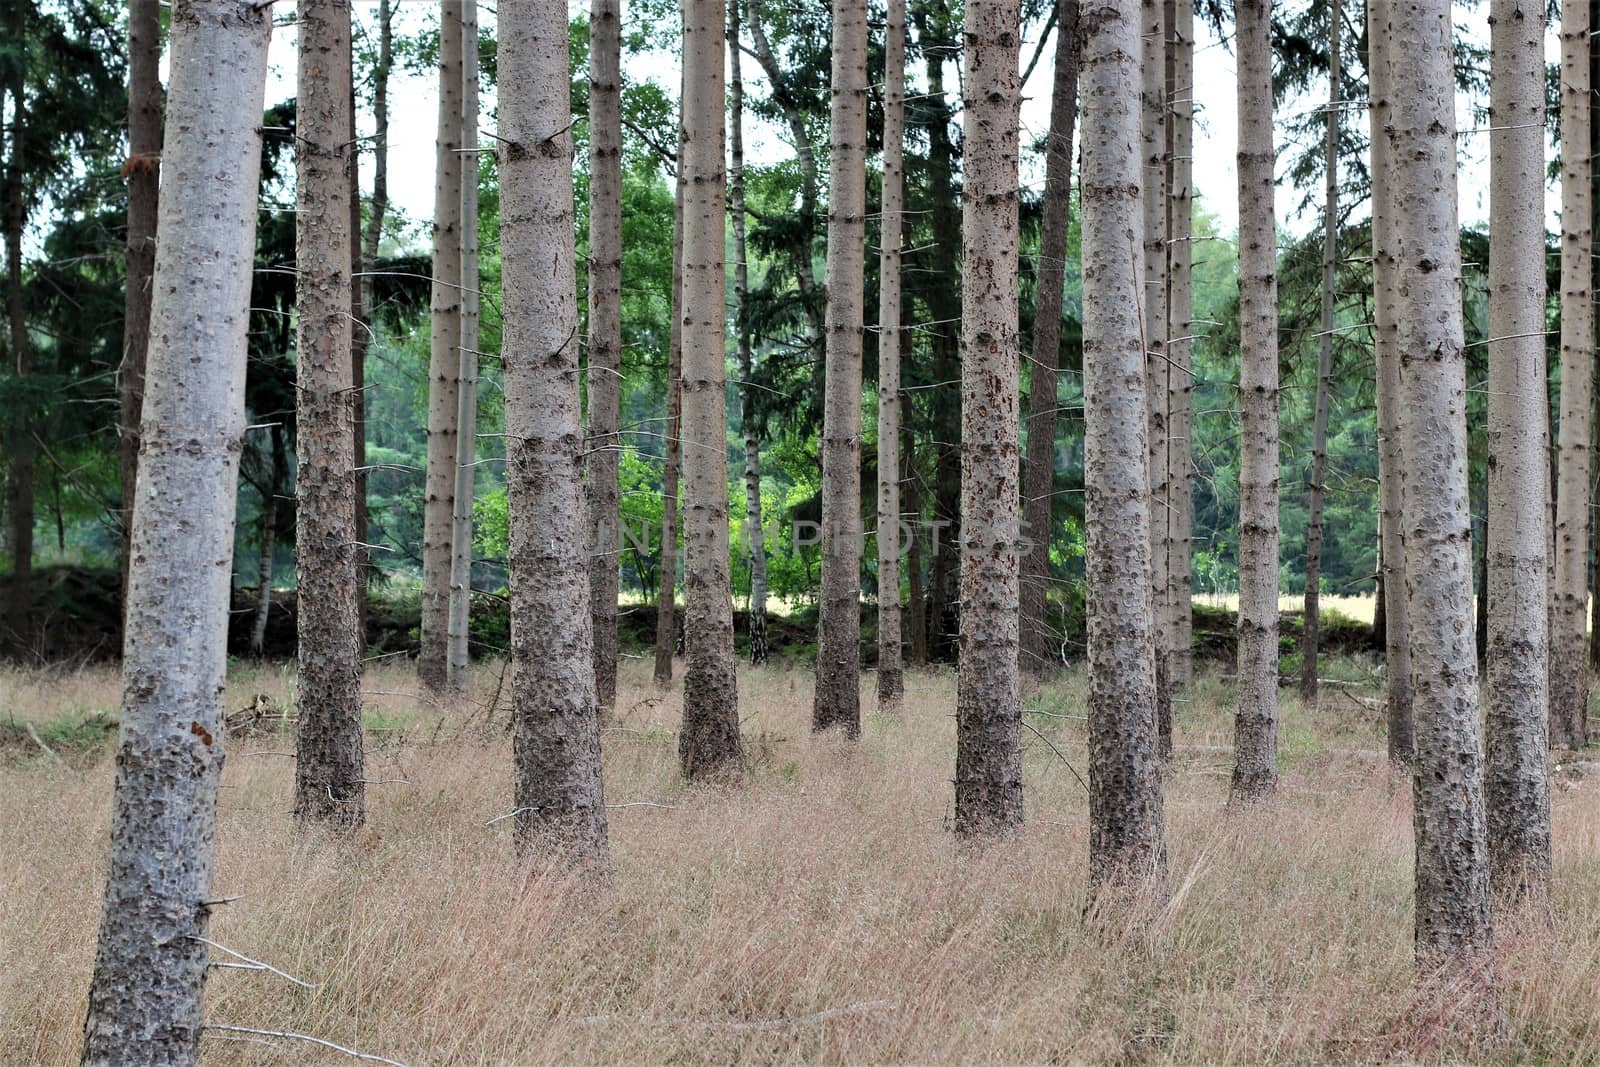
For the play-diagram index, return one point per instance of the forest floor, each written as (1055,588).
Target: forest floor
(819,912)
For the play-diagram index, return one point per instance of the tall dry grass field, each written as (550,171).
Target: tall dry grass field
(820,912)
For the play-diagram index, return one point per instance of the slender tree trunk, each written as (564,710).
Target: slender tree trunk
(19,475)
(1255,737)
(1517,782)
(667,595)
(1180,344)
(371,240)
(269,541)
(755,536)
(328,755)
(915,595)
(1153,299)
(143,171)
(1127,838)
(1039,493)
(605,337)
(891,673)
(838,688)
(560,803)
(988,695)
(1386,353)
(444,359)
(150,963)
(709,741)
(360,336)
(1310,638)
(467,395)
(1452,862)
(1569,674)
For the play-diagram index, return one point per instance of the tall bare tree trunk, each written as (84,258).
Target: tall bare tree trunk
(838,689)
(667,590)
(1310,632)
(371,239)
(1153,299)
(1255,736)
(891,673)
(1386,354)
(1452,861)
(143,171)
(18,621)
(150,963)
(605,338)
(1569,673)
(917,638)
(269,541)
(709,741)
(360,337)
(755,536)
(444,359)
(1180,342)
(560,803)
(1127,836)
(467,375)
(1517,782)
(328,755)
(1038,495)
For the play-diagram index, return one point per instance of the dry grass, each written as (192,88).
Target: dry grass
(820,912)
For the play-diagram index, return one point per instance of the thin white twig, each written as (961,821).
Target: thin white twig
(305,1037)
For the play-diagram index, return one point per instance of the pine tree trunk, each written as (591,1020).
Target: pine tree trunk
(1180,345)
(560,803)
(1037,655)
(1127,839)
(1569,673)
(709,741)
(755,535)
(1386,354)
(916,596)
(1516,691)
(838,688)
(18,621)
(467,376)
(891,673)
(1309,638)
(667,593)
(328,753)
(1255,738)
(269,541)
(1153,132)
(988,695)
(371,239)
(444,359)
(1452,868)
(360,337)
(143,171)
(150,962)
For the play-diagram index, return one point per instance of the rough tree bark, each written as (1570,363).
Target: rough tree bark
(1569,672)
(371,239)
(1386,355)
(143,171)
(150,963)
(1452,863)
(1255,738)
(560,804)
(838,686)
(328,753)
(1153,299)
(1310,636)
(709,741)
(269,539)
(891,673)
(755,536)
(1517,783)
(444,359)
(605,338)
(1038,646)
(1127,838)
(1180,342)
(460,652)
(18,621)
(667,588)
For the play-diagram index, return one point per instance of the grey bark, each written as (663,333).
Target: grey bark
(891,672)
(667,590)
(269,539)
(149,972)
(605,338)
(1180,345)
(838,687)
(1127,838)
(1385,345)
(709,741)
(328,753)
(1569,673)
(460,652)
(1255,768)
(560,802)
(444,359)
(1516,691)
(1153,299)
(1452,862)
(1038,645)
